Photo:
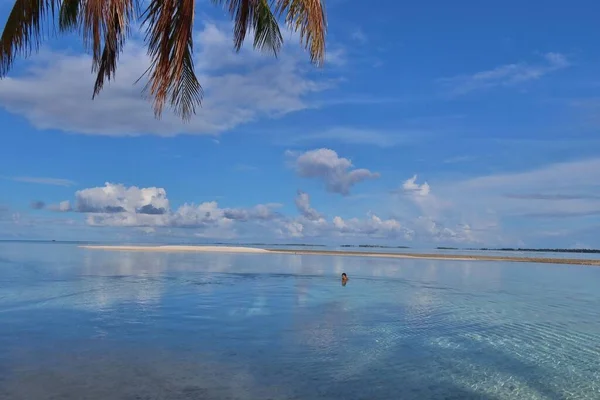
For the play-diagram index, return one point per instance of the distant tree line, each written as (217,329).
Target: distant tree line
(375,246)
(541,250)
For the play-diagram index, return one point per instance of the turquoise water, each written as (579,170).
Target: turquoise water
(77,324)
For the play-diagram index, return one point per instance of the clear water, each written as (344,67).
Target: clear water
(77,324)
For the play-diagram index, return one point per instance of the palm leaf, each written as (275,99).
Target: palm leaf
(169,37)
(105,27)
(68,16)
(266,28)
(23,30)
(117,21)
(308,17)
(94,21)
(255,14)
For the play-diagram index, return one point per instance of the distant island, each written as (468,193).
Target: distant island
(345,253)
(375,246)
(522,249)
(541,250)
(306,245)
(271,244)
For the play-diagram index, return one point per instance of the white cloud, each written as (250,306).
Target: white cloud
(290,229)
(493,210)
(336,172)
(425,213)
(505,75)
(303,206)
(239,88)
(373,226)
(42,181)
(422,198)
(431,230)
(412,187)
(499,208)
(311,223)
(557,189)
(114,198)
(116,205)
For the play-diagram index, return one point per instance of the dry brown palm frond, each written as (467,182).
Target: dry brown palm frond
(118,17)
(23,30)
(169,38)
(308,17)
(94,22)
(258,15)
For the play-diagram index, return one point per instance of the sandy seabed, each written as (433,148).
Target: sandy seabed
(455,257)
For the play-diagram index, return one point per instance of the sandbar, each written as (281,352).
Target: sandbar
(454,257)
(174,249)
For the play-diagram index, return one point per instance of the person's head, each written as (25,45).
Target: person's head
(344,279)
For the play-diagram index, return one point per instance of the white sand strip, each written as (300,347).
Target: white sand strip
(173,249)
(233,249)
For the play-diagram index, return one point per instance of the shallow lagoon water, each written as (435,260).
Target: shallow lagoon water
(79,324)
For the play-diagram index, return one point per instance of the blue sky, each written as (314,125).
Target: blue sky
(430,124)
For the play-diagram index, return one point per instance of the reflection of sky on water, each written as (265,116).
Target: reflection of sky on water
(81,324)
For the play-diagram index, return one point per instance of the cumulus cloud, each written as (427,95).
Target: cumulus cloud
(562,197)
(336,172)
(303,205)
(117,205)
(373,226)
(312,223)
(495,208)
(430,229)
(421,197)
(116,198)
(410,186)
(437,219)
(239,88)
(505,75)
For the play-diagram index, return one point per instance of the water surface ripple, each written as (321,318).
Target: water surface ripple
(78,324)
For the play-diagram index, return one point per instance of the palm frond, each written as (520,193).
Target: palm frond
(308,17)
(119,14)
(169,38)
(256,15)
(241,11)
(23,30)
(266,28)
(68,16)
(94,26)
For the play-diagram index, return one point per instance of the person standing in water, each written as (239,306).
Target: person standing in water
(344,279)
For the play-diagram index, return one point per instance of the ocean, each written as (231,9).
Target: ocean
(81,324)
